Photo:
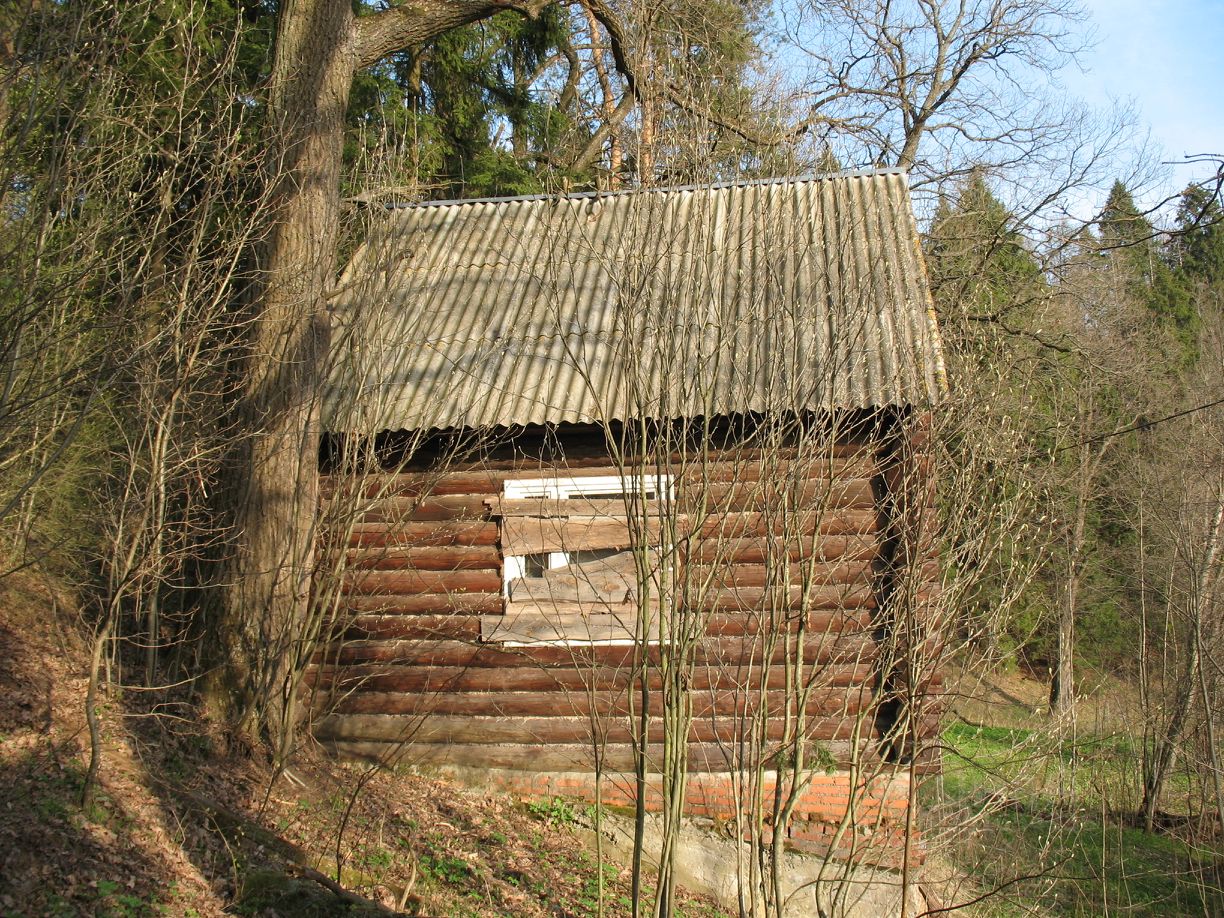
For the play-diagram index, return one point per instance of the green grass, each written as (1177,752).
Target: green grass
(1047,825)
(1094,868)
(1033,765)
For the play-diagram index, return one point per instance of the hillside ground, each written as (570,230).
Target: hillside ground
(1029,818)
(180,827)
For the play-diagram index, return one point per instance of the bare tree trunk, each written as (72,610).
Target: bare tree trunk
(1168,743)
(607,107)
(1213,748)
(89,787)
(1062,685)
(11,17)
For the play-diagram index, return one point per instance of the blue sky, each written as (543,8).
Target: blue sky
(1167,56)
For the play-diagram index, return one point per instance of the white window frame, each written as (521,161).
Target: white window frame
(656,487)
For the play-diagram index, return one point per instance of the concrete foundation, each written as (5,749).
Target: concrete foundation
(812,887)
(849,874)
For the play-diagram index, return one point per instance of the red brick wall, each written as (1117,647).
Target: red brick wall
(860,821)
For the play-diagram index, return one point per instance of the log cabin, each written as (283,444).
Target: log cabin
(638,484)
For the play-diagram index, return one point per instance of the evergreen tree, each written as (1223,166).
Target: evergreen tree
(504,106)
(699,51)
(1198,244)
(484,109)
(980,263)
(1132,244)
(984,281)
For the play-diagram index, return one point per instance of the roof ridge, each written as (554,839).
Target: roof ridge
(665,189)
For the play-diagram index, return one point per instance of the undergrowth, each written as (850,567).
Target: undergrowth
(1043,824)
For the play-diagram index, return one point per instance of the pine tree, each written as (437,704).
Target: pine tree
(501,107)
(479,107)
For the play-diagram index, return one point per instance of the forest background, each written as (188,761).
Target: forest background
(172,169)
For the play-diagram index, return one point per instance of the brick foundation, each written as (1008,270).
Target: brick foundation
(861,822)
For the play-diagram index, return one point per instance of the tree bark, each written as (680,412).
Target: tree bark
(276,476)
(1062,685)
(1200,599)
(265,586)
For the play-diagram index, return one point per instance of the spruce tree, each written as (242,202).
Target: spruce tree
(1198,244)
(981,266)
(1132,243)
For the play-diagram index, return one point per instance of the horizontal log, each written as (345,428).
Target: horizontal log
(532,628)
(775,601)
(475,533)
(409,509)
(423,559)
(930,726)
(549,607)
(819,619)
(599,623)
(381,583)
(426,604)
(754,523)
(726,601)
(912,475)
(706,497)
(714,651)
(488,476)
(489,482)
(927,730)
(725,587)
(747,466)
(800,498)
(755,466)
(578,506)
(832,622)
(612,581)
(739,576)
(762,550)
(439,483)
(455,679)
(523,535)
(555,757)
(375,535)
(441,728)
(413,627)
(732,537)
(823,703)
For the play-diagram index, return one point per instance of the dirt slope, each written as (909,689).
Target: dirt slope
(181,829)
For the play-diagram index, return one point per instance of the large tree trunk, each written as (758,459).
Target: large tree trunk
(320,46)
(275,488)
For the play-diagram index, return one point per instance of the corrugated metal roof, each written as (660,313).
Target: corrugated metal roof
(762,296)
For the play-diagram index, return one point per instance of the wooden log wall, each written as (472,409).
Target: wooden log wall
(780,565)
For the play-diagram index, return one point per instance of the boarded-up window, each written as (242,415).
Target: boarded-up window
(571,565)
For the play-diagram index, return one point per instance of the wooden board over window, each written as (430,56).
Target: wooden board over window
(571,553)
